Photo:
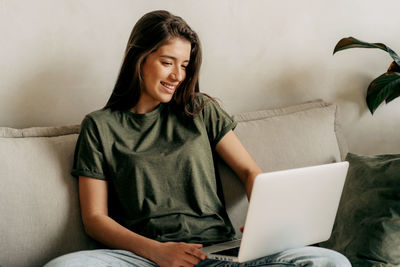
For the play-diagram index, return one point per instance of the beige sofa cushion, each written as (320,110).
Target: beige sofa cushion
(38,197)
(296,136)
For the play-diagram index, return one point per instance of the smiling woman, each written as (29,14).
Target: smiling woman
(147,183)
(161,36)
(163,71)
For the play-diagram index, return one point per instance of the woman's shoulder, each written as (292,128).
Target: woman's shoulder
(100,117)
(101,121)
(202,101)
(201,98)
(102,114)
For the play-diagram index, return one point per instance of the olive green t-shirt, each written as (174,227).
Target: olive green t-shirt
(160,170)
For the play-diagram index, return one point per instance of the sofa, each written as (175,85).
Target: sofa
(39,205)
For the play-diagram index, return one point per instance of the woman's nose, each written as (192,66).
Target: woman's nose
(178,74)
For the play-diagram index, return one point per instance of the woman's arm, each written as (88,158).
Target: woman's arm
(231,150)
(93,194)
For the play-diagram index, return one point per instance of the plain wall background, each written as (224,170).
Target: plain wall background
(59,59)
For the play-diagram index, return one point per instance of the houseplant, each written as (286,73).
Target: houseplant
(387,86)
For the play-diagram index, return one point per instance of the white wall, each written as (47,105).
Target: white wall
(59,58)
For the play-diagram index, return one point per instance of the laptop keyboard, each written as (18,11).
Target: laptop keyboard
(229,252)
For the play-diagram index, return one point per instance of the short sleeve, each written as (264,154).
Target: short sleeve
(217,121)
(89,157)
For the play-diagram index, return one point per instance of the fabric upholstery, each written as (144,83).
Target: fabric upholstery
(40,216)
(297,136)
(39,131)
(367,226)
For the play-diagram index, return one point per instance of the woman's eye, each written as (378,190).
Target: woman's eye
(184,67)
(167,63)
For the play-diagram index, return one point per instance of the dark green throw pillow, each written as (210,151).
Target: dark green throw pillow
(367,226)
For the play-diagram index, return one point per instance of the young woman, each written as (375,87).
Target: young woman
(147,184)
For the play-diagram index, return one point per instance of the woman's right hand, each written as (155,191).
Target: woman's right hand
(173,254)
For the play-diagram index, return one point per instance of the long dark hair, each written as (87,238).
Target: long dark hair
(150,32)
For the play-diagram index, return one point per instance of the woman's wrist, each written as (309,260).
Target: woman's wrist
(151,250)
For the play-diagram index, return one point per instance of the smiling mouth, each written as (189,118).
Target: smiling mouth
(169,87)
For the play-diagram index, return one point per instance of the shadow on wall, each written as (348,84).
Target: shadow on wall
(290,87)
(303,84)
(296,87)
(352,90)
(309,82)
(46,96)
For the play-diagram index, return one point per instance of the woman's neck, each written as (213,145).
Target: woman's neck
(142,108)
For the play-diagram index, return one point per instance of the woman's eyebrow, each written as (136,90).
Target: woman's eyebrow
(173,58)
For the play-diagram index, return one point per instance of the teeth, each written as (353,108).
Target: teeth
(168,86)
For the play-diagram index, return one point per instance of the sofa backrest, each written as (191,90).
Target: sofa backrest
(296,136)
(39,208)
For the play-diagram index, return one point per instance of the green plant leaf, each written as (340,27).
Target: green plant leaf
(393,95)
(351,42)
(385,87)
(394,67)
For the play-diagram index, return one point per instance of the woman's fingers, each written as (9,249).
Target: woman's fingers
(195,250)
(179,254)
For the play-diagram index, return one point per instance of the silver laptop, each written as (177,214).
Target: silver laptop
(288,209)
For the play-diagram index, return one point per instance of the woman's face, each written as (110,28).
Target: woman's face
(163,71)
